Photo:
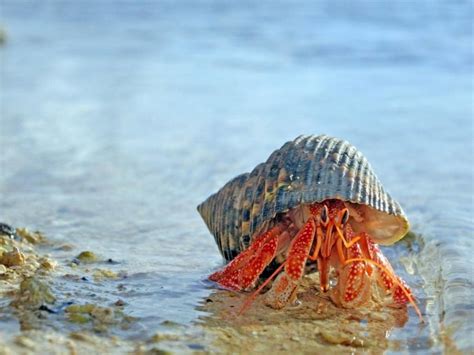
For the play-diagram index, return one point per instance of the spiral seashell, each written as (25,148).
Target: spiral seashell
(306,170)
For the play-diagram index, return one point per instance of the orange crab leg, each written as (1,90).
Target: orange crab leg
(340,252)
(347,244)
(244,270)
(330,240)
(319,241)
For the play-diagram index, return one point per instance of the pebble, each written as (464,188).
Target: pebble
(24,342)
(120,303)
(379,316)
(47,264)
(87,257)
(12,258)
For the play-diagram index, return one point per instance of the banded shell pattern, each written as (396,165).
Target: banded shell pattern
(307,170)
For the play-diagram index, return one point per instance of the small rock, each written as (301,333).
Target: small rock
(31,237)
(378,316)
(77,308)
(12,258)
(158,337)
(119,303)
(47,264)
(338,337)
(157,351)
(45,308)
(81,336)
(79,318)
(33,293)
(3,269)
(101,274)
(25,342)
(194,346)
(333,337)
(87,257)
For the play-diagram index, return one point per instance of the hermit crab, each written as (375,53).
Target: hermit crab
(316,199)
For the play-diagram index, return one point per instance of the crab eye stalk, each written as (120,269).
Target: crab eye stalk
(324,215)
(345,216)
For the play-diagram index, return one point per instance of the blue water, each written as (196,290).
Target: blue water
(118,119)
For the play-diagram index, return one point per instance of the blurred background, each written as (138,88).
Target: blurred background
(118,118)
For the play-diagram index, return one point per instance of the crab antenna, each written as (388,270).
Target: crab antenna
(395,281)
(250,298)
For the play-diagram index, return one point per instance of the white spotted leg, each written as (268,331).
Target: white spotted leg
(243,271)
(284,288)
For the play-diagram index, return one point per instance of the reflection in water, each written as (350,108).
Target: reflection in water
(117,121)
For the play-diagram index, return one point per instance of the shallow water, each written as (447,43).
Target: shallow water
(117,121)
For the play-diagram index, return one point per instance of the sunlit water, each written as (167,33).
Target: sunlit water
(117,121)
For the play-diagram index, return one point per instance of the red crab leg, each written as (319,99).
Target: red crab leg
(284,287)
(323,263)
(244,270)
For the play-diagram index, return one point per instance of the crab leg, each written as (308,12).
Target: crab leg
(284,287)
(387,278)
(244,270)
(371,255)
(353,287)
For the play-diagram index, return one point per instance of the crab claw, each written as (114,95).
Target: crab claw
(354,285)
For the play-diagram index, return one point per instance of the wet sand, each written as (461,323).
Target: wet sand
(312,324)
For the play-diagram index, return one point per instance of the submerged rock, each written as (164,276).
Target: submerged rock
(101,274)
(100,318)
(31,237)
(33,293)
(87,257)
(47,264)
